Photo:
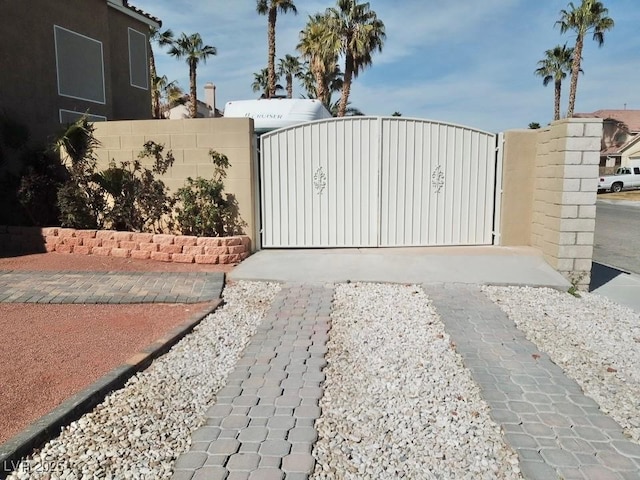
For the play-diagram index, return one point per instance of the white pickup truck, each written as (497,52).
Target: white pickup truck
(624,178)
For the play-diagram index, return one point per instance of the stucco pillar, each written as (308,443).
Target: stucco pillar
(564,208)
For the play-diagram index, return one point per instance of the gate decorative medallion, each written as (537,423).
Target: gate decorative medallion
(377,181)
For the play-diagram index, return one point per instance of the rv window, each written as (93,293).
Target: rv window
(636,170)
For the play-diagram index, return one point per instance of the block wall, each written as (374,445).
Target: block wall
(190,141)
(143,246)
(564,201)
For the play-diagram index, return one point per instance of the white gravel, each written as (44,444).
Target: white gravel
(398,402)
(139,431)
(595,341)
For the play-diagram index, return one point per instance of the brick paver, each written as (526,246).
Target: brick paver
(557,431)
(262,425)
(109,287)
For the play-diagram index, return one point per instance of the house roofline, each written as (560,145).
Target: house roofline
(632,141)
(125,7)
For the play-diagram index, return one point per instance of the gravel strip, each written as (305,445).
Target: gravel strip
(138,431)
(595,341)
(398,402)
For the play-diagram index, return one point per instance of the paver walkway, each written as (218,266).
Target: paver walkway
(557,431)
(109,287)
(262,425)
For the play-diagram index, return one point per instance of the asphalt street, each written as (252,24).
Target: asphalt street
(617,236)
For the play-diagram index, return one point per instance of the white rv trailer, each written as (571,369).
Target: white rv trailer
(271,114)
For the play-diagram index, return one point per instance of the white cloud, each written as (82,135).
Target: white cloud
(456,61)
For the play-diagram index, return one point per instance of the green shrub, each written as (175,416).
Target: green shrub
(138,200)
(80,200)
(29,177)
(203,209)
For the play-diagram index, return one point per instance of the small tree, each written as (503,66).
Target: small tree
(534,126)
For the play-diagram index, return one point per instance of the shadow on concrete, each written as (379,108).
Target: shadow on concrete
(602,274)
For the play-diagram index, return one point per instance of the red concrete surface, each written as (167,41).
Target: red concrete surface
(50,352)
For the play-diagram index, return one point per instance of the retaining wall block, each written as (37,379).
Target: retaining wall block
(182,258)
(143,237)
(105,234)
(216,250)
(208,242)
(185,241)
(129,245)
(120,252)
(110,243)
(208,259)
(163,239)
(123,236)
(149,247)
(45,231)
(170,248)
(161,256)
(86,233)
(141,254)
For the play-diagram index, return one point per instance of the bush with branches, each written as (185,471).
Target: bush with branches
(202,207)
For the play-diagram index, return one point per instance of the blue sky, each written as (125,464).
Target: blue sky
(469,62)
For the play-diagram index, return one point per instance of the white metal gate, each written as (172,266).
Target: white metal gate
(377,181)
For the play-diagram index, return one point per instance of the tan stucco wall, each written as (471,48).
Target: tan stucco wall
(128,102)
(518,182)
(28,77)
(190,141)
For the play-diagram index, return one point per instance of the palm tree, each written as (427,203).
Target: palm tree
(357,32)
(319,54)
(590,16)
(170,93)
(554,67)
(333,108)
(162,39)
(192,48)
(289,66)
(260,83)
(271,8)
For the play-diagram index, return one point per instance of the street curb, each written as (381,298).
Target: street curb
(49,425)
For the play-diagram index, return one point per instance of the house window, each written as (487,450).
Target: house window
(69,116)
(79,65)
(138,70)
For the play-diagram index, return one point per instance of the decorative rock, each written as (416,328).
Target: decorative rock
(140,430)
(398,402)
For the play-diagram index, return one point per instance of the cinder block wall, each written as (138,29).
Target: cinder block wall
(190,141)
(551,180)
(564,206)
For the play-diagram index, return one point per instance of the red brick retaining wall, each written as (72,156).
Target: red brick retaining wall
(162,247)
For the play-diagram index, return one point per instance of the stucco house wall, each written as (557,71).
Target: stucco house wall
(29,76)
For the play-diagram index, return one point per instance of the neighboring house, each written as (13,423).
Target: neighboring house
(206,109)
(630,153)
(62,58)
(621,130)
